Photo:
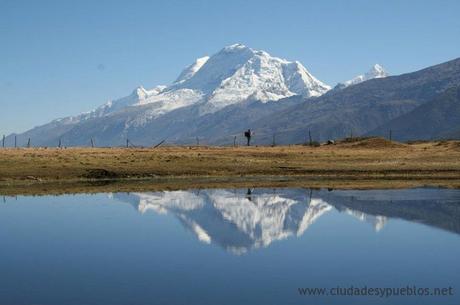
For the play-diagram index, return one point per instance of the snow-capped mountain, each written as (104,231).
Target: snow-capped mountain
(235,74)
(377,71)
(238,73)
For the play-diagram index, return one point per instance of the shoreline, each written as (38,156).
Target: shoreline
(182,183)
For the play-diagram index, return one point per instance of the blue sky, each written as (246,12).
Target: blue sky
(60,58)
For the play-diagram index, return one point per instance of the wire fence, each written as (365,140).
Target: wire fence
(246,138)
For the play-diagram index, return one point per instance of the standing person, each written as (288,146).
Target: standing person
(248,135)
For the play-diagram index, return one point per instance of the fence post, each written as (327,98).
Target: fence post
(197,141)
(234,141)
(390,134)
(28,143)
(92,143)
(274,142)
(59,145)
(309,136)
(127,143)
(15,141)
(3,142)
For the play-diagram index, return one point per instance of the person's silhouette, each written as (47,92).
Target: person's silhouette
(247,134)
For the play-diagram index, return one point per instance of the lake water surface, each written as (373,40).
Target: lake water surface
(243,246)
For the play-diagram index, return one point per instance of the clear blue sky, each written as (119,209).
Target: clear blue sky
(60,58)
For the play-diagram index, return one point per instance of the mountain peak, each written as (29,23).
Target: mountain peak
(376,71)
(238,73)
(140,92)
(235,47)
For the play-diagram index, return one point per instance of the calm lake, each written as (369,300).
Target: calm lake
(231,246)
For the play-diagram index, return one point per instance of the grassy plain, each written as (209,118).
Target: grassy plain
(366,163)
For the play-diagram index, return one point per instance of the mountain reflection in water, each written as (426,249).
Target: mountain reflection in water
(243,219)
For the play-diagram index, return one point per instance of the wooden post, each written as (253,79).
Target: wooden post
(28,143)
(159,143)
(234,141)
(309,136)
(92,143)
(127,143)
(15,141)
(60,142)
(273,142)
(3,143)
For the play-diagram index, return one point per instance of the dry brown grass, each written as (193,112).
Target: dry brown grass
(368,159)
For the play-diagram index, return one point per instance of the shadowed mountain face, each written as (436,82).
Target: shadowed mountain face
(241,220)
(437,119)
